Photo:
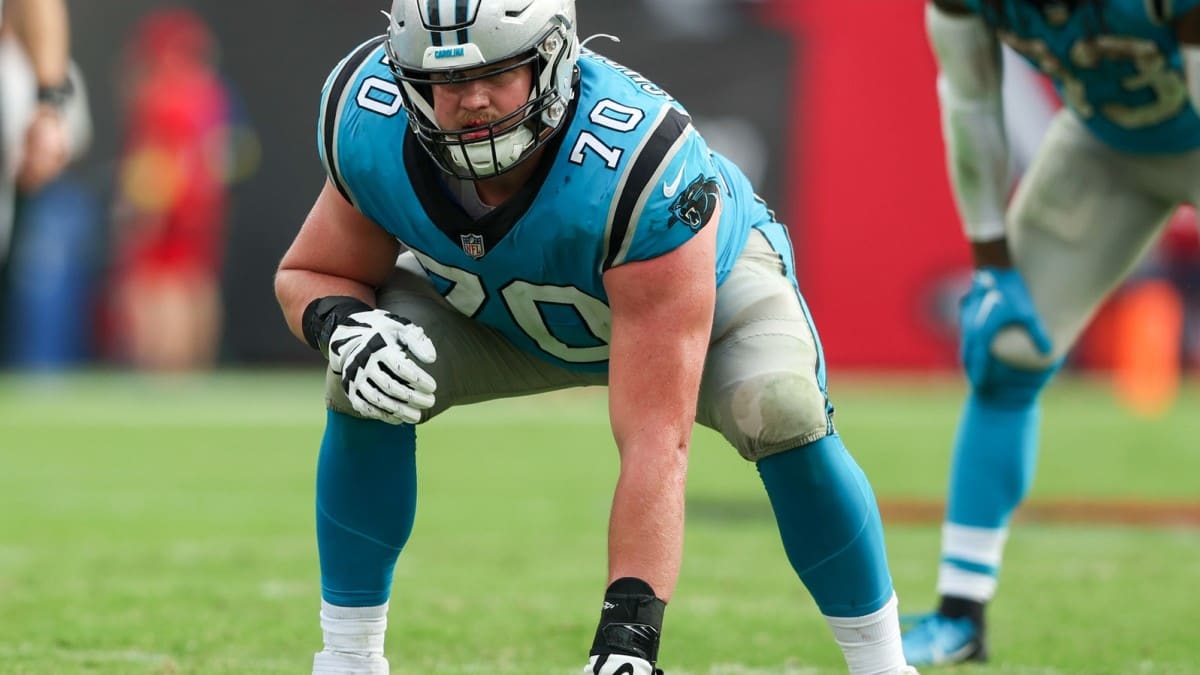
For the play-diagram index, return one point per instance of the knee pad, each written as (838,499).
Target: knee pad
(770,413)
(1003,384)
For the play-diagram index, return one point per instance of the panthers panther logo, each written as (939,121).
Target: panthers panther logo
(696,203)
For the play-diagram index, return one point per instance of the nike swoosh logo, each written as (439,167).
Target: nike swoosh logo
(989,302)
(670,188)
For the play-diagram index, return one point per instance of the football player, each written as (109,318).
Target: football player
(563,224)
(1115,163)
(42,144)
(43,29)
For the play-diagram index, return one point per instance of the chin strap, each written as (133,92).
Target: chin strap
(477,157)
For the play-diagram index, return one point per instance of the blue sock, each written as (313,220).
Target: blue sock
(830,526)
(995,454)
(366,502)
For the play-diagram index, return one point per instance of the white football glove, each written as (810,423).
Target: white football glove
(373,352)
(619,664)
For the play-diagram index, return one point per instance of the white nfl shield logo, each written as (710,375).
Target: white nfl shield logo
(472,245)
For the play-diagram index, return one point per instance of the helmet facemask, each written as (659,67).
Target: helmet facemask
(500,145)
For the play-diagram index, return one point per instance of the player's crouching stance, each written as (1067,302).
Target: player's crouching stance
(1122,154)
(565,225)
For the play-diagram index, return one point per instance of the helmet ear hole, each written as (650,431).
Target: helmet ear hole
(424,46)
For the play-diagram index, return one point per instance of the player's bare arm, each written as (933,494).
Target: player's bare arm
(1187,30)
(326,286)
(662,313)
(338,252)
(43,29)
(969,88)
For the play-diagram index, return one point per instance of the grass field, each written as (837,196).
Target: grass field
(166,527)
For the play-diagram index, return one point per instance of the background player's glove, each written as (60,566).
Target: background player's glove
(998,299)
(619,664)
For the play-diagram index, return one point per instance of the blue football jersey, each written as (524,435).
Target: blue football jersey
(1115,63)
(627,179)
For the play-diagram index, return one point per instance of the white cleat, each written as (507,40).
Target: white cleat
(341,663)
(907,670)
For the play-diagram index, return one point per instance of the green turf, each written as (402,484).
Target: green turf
(152,526)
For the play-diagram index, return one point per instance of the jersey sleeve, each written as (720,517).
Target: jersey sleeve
(671,193)
(335,97)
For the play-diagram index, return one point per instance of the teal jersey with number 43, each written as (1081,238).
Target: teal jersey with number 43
(627,179)
(1115,63)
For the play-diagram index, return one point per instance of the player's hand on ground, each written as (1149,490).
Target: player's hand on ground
(998,299)
(378,356)
(619,664)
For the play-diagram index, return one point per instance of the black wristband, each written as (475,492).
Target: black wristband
(323,315)
(56,96)
(630,621)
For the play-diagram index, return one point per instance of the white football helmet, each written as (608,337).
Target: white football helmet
(435,41)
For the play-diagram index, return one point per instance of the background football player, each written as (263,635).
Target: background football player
(1115,163)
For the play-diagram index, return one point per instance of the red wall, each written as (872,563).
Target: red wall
(874,224)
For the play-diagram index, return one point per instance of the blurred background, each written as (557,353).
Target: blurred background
(198,175)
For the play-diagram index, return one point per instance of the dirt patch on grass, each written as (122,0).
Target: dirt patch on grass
(1097,511)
